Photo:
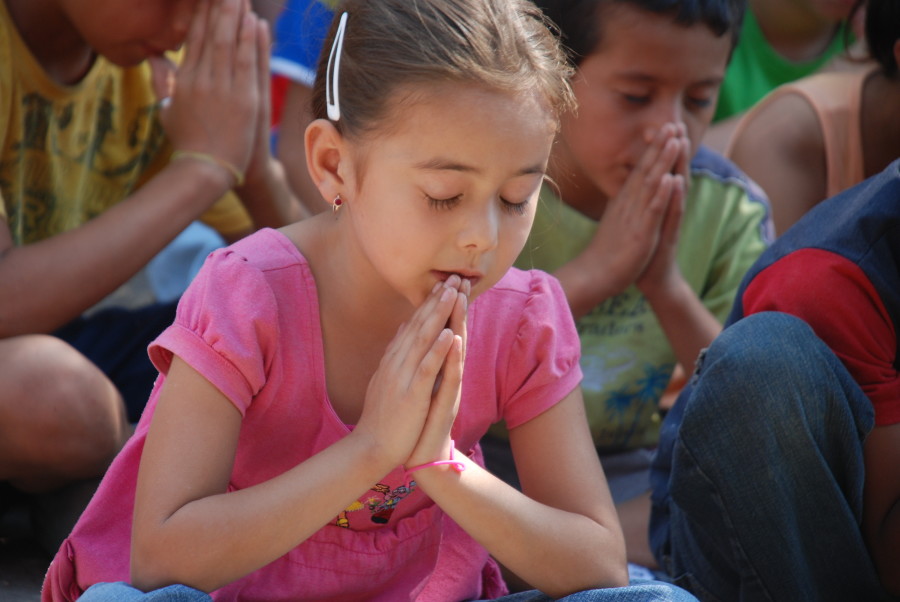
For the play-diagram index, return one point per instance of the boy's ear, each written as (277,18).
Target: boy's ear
(325,149)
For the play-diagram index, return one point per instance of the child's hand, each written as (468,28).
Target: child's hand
(261,149)
(400,395)
(214,105)
(662,271)
(634,220)
(434,443)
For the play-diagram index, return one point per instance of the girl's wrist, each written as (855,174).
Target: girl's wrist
(453,463)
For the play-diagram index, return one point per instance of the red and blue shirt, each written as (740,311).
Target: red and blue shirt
(838,269)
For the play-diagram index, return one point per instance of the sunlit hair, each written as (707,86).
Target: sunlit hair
(393,46)
(580,21)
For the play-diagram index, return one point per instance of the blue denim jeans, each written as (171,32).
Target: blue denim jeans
(644,591)
(758,480)
(122,592)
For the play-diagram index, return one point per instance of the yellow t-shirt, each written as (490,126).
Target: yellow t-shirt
(69,153)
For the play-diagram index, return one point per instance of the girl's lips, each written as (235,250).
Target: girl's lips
(472,277)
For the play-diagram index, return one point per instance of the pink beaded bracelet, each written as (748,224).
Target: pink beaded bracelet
(455,464)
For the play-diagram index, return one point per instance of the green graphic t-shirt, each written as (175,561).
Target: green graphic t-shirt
(626,358)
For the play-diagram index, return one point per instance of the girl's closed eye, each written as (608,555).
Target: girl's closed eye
(446,203)
(516,208)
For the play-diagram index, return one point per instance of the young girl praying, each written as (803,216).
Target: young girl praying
(313,433)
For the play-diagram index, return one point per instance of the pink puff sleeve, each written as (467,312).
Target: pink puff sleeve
(226,327)
(542,365)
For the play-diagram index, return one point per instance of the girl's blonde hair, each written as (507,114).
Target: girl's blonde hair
(396,45)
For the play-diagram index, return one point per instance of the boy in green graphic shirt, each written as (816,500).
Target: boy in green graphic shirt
(648,232)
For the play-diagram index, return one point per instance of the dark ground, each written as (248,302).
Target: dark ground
(22,562)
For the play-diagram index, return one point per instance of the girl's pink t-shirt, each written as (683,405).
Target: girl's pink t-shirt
(250,324)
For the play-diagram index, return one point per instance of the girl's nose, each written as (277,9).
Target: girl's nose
(480,229)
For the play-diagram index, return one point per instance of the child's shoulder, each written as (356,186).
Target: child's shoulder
(250,281)
(525,295)
(266,249)
(525,283)
(256,262)
(710,165)
(524,326)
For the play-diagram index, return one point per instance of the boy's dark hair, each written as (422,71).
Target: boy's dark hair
(579,20)
(882,30)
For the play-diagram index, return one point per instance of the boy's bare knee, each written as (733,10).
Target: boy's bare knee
(60,417)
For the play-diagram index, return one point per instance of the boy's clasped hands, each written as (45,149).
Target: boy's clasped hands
(638,235)
(223,79)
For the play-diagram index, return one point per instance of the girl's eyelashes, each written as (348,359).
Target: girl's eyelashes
(451,202)
(447,203)
(515,208)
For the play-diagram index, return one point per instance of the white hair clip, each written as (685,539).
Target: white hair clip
(332,100)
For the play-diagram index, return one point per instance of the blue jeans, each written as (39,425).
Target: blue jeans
(122,592)
(758,480)
(646,591)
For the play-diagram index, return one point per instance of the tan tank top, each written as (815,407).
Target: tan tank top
(836,99)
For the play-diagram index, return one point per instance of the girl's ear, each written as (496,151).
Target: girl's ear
(325,149)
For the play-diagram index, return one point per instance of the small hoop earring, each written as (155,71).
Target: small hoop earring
(336,203)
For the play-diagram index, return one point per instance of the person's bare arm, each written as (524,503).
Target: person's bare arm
(634,514)
(188,529)
(560,534)
(780,146)
(688,324)
(881,513)
(718,135)
(49,283)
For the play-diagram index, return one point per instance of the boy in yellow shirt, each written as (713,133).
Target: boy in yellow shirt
(91,191)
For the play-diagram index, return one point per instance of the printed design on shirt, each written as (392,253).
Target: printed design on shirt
(622,416)
(74,149)
(380,506)
(619,316)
